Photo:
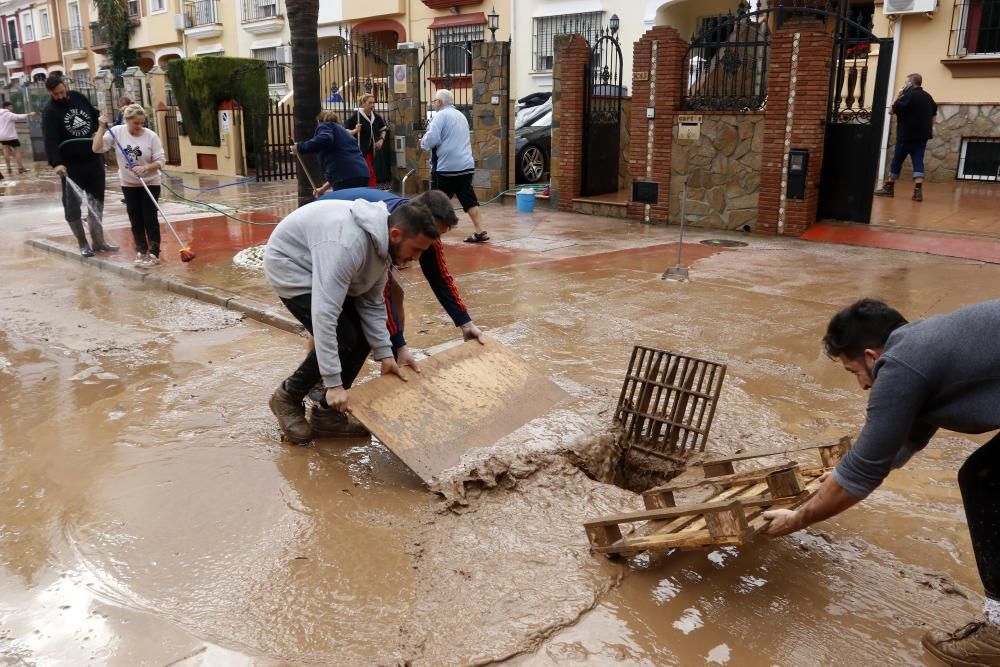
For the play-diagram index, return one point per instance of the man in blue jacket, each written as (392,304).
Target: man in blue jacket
(343,164)
(942,372)
(452,163)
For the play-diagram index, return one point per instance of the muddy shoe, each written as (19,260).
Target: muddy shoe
(918,194)
(887,190)
(317,392)
(291,416)
(478,237)
(329,423)
(978,643)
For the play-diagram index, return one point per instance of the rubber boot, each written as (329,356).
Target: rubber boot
(76,226)
(977,643)
(97,234)
(888,189)
(291,416)
(918,192)
(330,423)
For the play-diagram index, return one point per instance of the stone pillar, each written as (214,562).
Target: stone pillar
(490,101)
(156,84)
(798,80)
(405,115)
(657,83)
(571,55)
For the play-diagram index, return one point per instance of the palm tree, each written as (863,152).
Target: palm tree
(303,16)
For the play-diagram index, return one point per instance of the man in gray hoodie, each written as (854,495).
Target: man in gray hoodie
(942,372)
(328,262)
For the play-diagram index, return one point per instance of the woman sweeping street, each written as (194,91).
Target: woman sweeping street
(145,158)
(370,130)
(342,162)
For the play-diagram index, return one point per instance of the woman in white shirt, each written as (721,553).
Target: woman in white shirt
(145,159)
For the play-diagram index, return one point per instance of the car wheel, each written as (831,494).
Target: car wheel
(532,164)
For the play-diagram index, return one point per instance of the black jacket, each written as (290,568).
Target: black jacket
(77,119)
(370,132)
(915,110)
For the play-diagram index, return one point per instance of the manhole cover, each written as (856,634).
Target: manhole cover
(723,243)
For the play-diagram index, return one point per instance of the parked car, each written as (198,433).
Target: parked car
(533,142)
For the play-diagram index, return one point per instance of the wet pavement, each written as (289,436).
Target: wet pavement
(151,514)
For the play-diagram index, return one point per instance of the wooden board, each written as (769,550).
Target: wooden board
(467,396)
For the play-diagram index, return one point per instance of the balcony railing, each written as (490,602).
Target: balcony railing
(259,10)
(98,35)
(11,52)
(72,39)
(201,12)
(133,9)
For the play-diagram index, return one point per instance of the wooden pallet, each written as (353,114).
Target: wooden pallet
(733,515)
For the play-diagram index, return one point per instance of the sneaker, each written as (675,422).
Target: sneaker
(140,260)
(887,190)
(978,643)
(330,423)
(152,260)
(478,237)
(918,194)
(291,416)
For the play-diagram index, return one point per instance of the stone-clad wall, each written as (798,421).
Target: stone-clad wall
(722,170)
(490,131)
(954,122)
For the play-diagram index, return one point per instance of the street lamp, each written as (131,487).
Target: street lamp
(494,23)
(615,23)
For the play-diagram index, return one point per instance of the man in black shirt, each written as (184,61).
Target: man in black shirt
(69,122)
(915,111)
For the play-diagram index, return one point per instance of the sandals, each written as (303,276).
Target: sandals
(478,237)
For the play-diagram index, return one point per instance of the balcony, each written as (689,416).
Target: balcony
(201,19)
(262,16)
(12,55)
(134,12)
(72,40)
(98,38)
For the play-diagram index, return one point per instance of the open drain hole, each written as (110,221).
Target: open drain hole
(724,243)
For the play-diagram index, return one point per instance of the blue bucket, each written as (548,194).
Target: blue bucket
(526,201)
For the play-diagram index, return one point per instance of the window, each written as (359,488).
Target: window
(44,30)
(12,33)
(454,57)
(81,78)
(546,28)
(157,6)
(275,70)
(979,160)
(975,28)
(27,27)
(133,9)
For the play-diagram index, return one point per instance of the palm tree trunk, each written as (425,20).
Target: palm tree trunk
(303,16)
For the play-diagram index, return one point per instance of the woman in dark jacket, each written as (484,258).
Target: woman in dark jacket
(342,162)
(370,130)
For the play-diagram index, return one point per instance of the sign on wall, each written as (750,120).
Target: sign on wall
(399,79)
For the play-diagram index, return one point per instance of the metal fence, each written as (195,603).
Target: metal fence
(201,12)
(357,64)
(726,64)
(11,51)
(98,35)
(975,28)
(258,10)
(273,133)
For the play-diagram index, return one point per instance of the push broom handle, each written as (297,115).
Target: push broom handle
(302,163)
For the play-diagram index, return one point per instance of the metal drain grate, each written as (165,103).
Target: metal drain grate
(724,243)
(668,402)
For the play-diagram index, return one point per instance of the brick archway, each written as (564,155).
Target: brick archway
(385,25)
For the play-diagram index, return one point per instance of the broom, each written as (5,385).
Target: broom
(186,253)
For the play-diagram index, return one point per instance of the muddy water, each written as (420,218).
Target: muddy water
(150,513)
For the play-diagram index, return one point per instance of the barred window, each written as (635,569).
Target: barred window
(455,55)
(275,70)
(977,23)
(81,78)
(547,27)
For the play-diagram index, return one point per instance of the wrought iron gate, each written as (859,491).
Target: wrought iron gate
(602,116)
(273,133)
(447,66)
(172,136)
(855,118)
(357,64)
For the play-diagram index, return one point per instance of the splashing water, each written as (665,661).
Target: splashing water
(93,207)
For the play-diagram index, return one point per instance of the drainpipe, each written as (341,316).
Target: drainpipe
(890,96)
(62,49)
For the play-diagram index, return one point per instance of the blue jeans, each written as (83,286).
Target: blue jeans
(916,153)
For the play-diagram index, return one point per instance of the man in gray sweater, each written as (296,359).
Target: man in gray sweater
(942,372)
(328,262)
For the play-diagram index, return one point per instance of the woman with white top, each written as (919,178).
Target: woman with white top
(145,159)
(8,136)
(370,129)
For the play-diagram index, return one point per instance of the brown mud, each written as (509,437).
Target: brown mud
(150,513)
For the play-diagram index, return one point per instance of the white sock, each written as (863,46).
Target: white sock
(991,609)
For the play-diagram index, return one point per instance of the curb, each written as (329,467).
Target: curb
(216,297)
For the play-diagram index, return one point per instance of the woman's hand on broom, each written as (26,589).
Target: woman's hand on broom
(102,121)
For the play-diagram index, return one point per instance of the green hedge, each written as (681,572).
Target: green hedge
(201,84)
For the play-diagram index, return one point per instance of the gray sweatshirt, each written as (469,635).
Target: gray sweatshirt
(333,250)
(942,372)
